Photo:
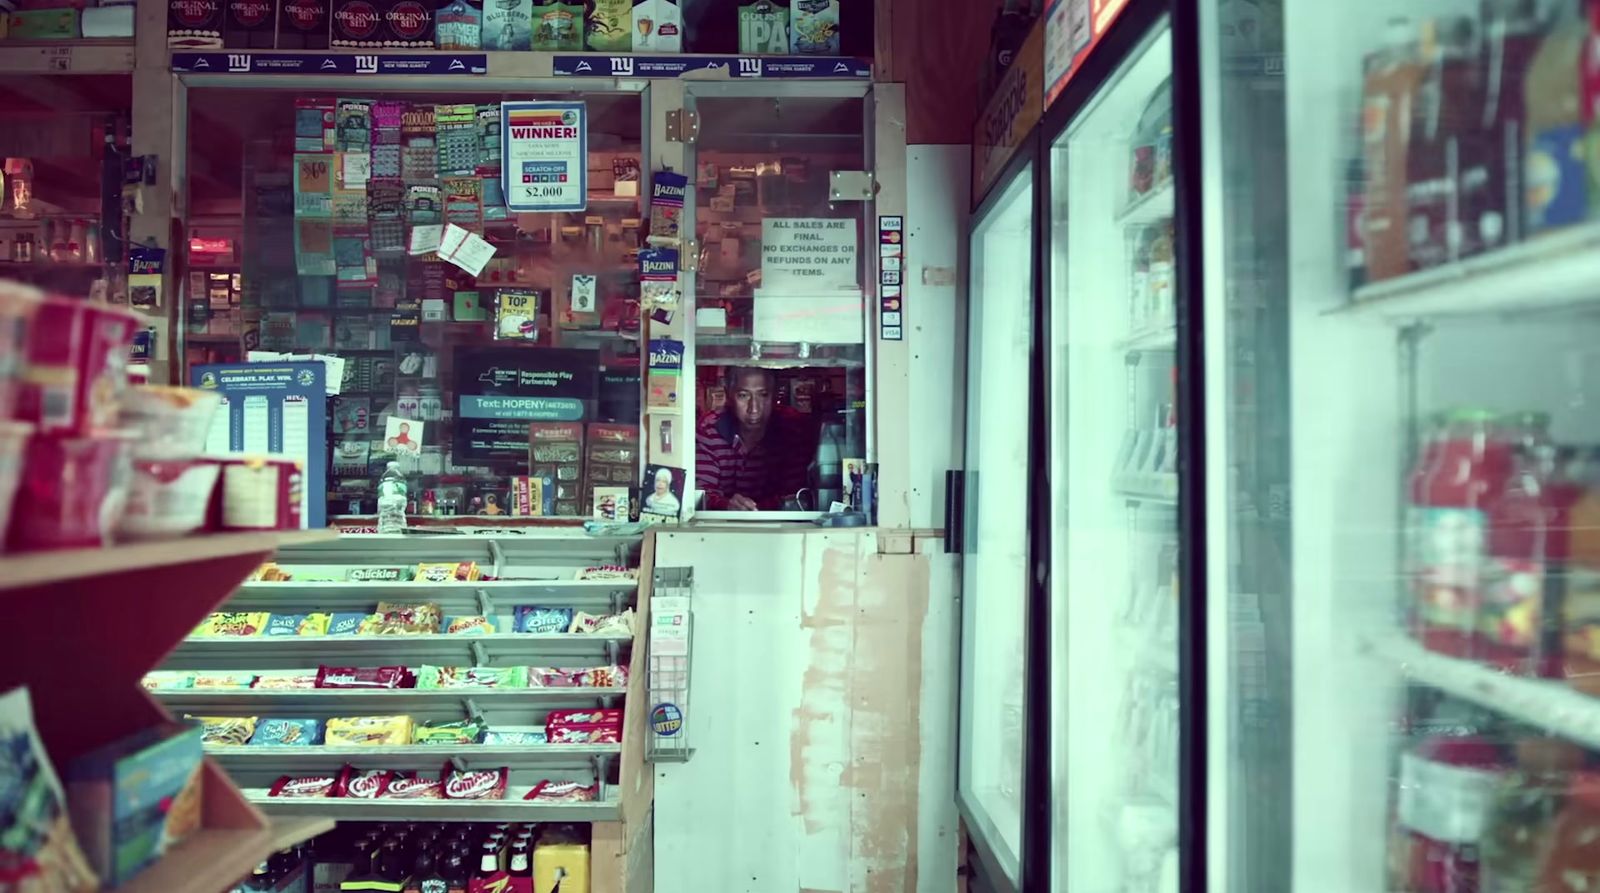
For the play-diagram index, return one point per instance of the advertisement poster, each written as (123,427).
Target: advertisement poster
(499,390)
(274,409)
(1072,28)
(545,156)
(1012,111)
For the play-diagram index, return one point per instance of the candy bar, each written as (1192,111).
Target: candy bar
(365,731)
(603,625)
(268,572)
(476,784)
(284,624)
(224,680)
(412,787)
(472,677)
(305,786)
(363,785)
(378,574)
(608,572)
(583,734)
(167,680)
(226,730)
(563,792)
(604,677)
(287,732)
(364,677)
(468,625)
(287,679)
(346,623)
(234,623)
(464,731)
(407,619)
(554,677)
(516,736)
(460,572)
(314,625)
(537,619)
(605,716)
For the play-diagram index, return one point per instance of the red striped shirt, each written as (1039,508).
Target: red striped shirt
(770,472)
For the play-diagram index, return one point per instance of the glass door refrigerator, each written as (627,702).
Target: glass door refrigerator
(1112,373)
(1401,271)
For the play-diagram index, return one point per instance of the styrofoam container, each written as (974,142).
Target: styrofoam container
(171,422)
(168,498)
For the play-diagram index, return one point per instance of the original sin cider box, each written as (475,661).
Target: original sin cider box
(303,24)
(194,24)
(249,24)
(407,24)
(357,23)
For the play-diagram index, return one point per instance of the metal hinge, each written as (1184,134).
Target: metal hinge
(851,186)
(683,126)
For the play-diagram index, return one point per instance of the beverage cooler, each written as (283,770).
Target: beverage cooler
(1300,439)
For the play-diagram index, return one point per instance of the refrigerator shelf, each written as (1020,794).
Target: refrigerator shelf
(1150,340)
(1544,704)
(1548,272)
(1157,486)
(1154,206)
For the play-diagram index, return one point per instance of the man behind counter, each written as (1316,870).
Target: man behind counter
(752,455)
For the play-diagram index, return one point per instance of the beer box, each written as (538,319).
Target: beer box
(814,28)
(657,26)
(303,24)
(608,25)
(407,24)
(507,25)
(357,23)
(249,24)
(764,28)
(191,24)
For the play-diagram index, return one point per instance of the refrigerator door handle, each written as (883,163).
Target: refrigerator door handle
(954,503)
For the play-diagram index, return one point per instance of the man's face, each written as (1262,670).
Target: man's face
(752,399)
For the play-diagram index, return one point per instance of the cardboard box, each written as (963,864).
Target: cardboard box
(250,24)
(135,797)
(357,23)
(43,24)
(407,24)
(303,24)
(194,24)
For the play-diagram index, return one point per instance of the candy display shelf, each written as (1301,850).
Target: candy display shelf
(529,566)
(1547,272)
(97,620)
(1543,704)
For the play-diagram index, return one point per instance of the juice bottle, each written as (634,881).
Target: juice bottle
(1491,199)
(1554,176)
(1393,74)
(1446,786)
(1467,468)
(1445,140)
(1521,823)
(1527,546)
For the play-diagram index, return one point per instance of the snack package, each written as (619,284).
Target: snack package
(364,731)
(304,786)
(268,572)
(231,731)
(234,623)
(284,624)
(539,619)
(315,624)
(516,736)
(167,680)
(225,681)
(614,676)
(474,625)
(37,842)
(603,625)
(459,572)
(472,677)
(608,572)
(365,677)
(135,797)
(464,731)
(348,623)
(413,787)
(285,679)
(667,192)
(563,792)
(363,785)
(603,726)
(287,733)
(378,574)
(554,677)
(476,784)
(399,619)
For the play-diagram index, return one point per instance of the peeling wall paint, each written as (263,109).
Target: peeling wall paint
(820,653)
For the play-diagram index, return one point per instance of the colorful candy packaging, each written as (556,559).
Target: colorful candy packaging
(347,623)
(465,731)
(539,619)
(396,619)
(363,785)
(472,677)
(303,786)
(516,736)
(233,623)
(563,792)
(297,625)
(477,784)
(474,625)
(287,733)
(365,677)
(226,730)
(413,787)
(368,731)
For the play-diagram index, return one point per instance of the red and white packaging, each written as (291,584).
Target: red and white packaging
(13,444)
(72,492)
(77,366)
(363,785)
(474,784)
(412,787)
(168,498)
(18,304)
(305,786)
(563,792)
(603,726)
(258,494)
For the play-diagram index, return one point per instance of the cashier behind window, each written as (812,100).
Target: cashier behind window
(752,455)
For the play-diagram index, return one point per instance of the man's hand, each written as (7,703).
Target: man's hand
(740,503)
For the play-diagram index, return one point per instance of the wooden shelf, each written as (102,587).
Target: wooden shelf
(31,570)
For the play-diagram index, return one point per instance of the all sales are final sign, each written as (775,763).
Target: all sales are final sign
(544,165)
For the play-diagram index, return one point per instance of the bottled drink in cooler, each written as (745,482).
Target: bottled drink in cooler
(1446,785)
(1393,75)
(392,500)
(1555,178)
(1520,826)
(1491,204)
(1446,140)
